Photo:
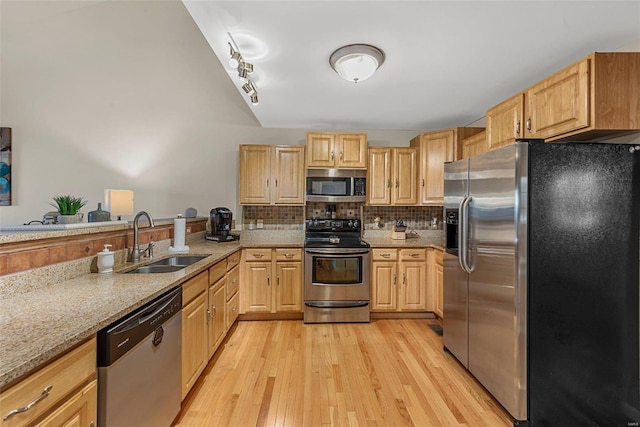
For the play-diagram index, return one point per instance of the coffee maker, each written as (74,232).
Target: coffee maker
(221,226)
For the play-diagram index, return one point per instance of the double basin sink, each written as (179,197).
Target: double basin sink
(168,265)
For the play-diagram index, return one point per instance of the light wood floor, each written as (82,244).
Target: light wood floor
(384,373)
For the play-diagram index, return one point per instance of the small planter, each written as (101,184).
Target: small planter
(67,219)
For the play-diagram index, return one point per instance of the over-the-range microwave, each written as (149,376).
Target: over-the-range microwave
(336,185)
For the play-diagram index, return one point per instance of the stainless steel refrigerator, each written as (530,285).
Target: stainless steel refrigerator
(541,279)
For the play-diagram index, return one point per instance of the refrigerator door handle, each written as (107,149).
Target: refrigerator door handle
(463,234)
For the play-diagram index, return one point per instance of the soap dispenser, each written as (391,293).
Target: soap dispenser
(106,260)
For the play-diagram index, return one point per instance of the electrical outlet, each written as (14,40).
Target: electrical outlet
(188,230)
(259,224)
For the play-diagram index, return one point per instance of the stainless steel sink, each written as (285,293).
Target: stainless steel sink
(168,265)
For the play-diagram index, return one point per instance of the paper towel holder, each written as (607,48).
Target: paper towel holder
(179,232)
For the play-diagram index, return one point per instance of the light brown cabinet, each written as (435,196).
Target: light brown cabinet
(398,280)
(194,330)
(436,148)
(590,100)
(65,392)
(336,150)
(474,145)
(271,280)
(216,315)
(439,281)
(436,281)
(232,292)
(271,175)
(392,176)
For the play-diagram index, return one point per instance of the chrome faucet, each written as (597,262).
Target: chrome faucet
(135,252)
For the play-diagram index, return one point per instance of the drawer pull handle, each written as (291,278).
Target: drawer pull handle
(414,255)
(385,255)
(258,255)
(288,255)
(234,281)
(44,394)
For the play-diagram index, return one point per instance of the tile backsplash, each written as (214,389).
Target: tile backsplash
(292,217)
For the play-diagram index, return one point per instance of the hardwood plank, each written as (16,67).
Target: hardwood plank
(387,372)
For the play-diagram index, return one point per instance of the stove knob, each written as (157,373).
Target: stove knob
(350,224)
(355,223)
(315,223)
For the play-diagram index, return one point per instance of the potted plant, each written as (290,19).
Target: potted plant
(68,207)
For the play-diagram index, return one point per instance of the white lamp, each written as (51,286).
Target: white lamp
(119,202)
(356,62)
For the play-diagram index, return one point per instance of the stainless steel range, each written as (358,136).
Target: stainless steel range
(336,272)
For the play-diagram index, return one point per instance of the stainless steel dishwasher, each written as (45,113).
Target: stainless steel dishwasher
(139,365)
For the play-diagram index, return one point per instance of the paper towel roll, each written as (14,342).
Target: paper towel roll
(179,227)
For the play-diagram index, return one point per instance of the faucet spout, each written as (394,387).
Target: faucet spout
(135,252)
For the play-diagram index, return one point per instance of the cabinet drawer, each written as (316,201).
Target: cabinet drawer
(194,287)
(233,282)
(413,254)
(217,272)
(60,378)
(233,308)
(233,260)
(257,254)
(384,254)
(288,254)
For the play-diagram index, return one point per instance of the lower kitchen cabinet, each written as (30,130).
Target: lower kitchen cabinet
(271,280)
(216,315)
(436,282)
(398,280)
(439,273)
(233,294)
(64,391)
(194,330)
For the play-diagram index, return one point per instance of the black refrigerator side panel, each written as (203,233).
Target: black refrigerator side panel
(584,208)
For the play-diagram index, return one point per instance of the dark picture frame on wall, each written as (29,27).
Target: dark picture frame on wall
(5,166)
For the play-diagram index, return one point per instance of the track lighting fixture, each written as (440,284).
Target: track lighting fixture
(244,69)
(249,87)
(254,99)
(236,58)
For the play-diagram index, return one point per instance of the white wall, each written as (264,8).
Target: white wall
(126,95)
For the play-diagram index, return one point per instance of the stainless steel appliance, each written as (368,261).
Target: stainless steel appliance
(336,278)
(221,220)
(541,282)
(139,365)
(336,185)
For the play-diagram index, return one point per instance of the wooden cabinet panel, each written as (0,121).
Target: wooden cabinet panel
(257,254)
(217,271)
(320,150)
(60,377)
(384,254)
(336,150)
(379,177)
(233,309)
(288,286)
(288,175)
(216,315)
(255,174)
(384,279)
(289,254)
(80,410)
(193,287)
(233,281)
(560,103)
(233,260)
(256,287)
(413,289)
(505,122)
(352,151)
(474,145)
(439,279)
(405,171)
(194,341)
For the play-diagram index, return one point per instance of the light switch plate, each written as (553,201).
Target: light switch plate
(259,224)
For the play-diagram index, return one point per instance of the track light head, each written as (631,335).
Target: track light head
(236,58)
(254,99)
(249,87)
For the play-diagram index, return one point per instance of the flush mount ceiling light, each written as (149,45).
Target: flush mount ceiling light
(356,62)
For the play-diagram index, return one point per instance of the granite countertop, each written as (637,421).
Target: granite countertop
(37,326)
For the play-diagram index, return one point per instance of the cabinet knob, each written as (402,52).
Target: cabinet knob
(332,155)
(341,155)
(388,183)
(268,280)
(258,255)
(267,182)
(395,277)
(529,124)
(396,182)
(518,127)
(385,255)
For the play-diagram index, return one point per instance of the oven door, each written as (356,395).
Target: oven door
(336,274)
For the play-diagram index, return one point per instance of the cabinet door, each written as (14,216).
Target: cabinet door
(439,285)
(435,149)
(504,122)
(560,103)
(194,341)
(384,278)
(288,286)
(233,309)
(413,286)
(379,177)
(405,176)
(288,175)
(255,174)
(256,289)
(474,145)
(351,151)
(216,315)
(320,150)
(80,410)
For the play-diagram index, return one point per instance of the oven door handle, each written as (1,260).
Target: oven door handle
(336,304)
(336,251)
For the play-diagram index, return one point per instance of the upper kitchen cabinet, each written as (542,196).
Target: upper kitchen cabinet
(336,150)
(271,175)
(474,145)
(595,98)
(436,148)
(392,176)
